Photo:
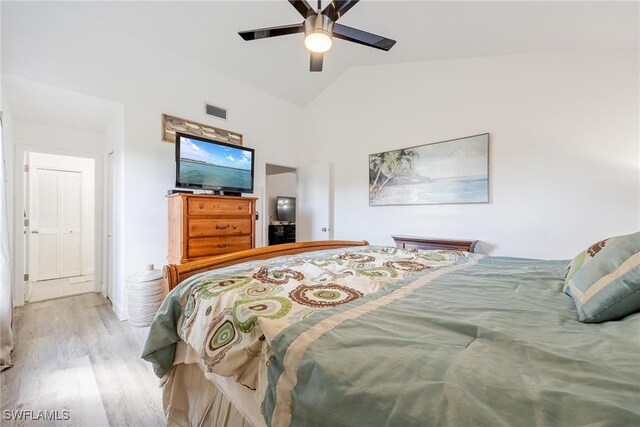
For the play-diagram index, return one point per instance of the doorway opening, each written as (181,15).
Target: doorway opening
(59,225)
(280,196)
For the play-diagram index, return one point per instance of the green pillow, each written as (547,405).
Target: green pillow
(606,286)
(583,258)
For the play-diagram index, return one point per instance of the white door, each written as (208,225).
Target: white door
(56,238)
(70,224)
(45,233)
(314,204)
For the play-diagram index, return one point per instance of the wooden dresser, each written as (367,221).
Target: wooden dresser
(203,225)
(406,242)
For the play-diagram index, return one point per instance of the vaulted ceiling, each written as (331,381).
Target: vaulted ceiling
(37,34)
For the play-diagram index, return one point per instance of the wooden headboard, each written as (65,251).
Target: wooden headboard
(177,273)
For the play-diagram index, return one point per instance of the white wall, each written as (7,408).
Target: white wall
(282,184)
(64,138)
(564,149)
(86,167)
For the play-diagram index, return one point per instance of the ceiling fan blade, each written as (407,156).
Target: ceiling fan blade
(362,37)
(316,61)
(303,8)
(336,9)
(264,33)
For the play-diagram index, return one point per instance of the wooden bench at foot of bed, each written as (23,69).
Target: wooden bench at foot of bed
(176,273)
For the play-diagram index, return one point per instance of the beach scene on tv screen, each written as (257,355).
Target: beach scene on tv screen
(212,165)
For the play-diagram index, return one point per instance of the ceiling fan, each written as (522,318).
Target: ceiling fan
(319,26)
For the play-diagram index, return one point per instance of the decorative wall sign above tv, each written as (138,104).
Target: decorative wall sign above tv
(173,124)
(454,171)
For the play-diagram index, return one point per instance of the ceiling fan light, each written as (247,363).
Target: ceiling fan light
(318,41)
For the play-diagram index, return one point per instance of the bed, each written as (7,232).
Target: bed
(346,334)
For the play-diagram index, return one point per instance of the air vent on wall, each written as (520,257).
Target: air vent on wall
(214,111)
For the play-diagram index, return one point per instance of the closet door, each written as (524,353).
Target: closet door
(45,233)
(56,232)
(70,224)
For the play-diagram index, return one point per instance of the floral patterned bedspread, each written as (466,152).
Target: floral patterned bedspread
(229,316)
(374,336)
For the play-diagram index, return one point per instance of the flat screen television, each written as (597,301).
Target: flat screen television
(212,165)
(286,209)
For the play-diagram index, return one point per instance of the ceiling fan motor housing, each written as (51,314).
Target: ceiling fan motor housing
(318,23)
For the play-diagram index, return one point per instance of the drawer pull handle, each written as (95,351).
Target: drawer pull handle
(222,245)
(222,227)
(240,207)
(201,205)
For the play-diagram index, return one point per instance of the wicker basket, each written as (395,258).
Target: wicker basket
(145,293)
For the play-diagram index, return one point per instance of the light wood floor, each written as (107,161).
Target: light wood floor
(74,354)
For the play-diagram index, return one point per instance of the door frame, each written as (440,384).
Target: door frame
(109,225)
(265,204)
(27,236)
(19,206)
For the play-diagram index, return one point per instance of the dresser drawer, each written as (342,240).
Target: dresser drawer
(202,227)
(208,246)
(203,206)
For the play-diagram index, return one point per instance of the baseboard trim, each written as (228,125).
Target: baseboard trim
(121,314)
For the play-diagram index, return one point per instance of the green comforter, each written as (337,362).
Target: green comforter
(442,339)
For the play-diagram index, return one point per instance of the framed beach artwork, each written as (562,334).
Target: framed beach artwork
(447,172)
